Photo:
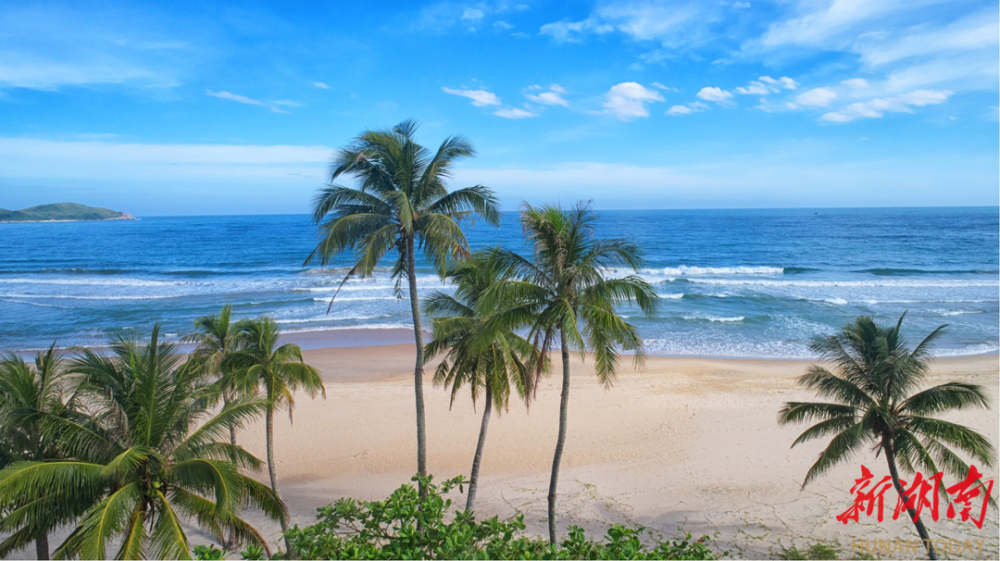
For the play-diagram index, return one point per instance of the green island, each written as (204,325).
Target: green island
(62,212)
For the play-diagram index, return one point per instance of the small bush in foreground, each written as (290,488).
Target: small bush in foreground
(817,550)
(404,526)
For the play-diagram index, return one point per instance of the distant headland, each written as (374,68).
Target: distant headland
(62,212)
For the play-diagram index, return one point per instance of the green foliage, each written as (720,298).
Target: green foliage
(58,211)
(480,347)
(253,553)
(875,403)
(404,526)
(208,553)
(820,549)
(149,454)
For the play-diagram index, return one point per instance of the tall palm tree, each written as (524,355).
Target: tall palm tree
(401,206)
(215,339)
(484,354)
(875,404)
(278,371)
(150,453)
(575,301)
(27,396)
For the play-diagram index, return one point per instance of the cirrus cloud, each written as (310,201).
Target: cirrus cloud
(480,98)
(877,108)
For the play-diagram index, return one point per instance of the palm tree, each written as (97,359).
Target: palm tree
(27,396)
(575,300)
(401,206)
(149,454)
(215,339)
(261,364)
(481,353)
(876,404)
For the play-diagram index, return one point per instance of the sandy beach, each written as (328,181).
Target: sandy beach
(683,442)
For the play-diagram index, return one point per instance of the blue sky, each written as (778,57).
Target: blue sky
(186,108)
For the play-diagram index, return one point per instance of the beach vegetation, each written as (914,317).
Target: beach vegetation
(876,403)
(481,351)
(29,394)
(401,206)
(411,525)
(150,452)
(573,299)
(275,371)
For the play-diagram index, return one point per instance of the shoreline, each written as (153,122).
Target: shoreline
(362,337)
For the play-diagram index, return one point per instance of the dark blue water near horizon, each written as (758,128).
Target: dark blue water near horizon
(737,283)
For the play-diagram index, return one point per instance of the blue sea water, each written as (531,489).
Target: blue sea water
(735,283)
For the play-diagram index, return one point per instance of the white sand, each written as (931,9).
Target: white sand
(685,442)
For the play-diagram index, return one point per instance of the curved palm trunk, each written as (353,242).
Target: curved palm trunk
(418,369)
(229,541)
(42,546)
(470,503)
(269,423)
(890,457)
(563,408)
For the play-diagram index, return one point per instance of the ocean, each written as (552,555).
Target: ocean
(734,283)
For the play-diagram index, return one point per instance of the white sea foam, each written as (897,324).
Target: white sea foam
(686,271)
(340,317)
(677,296)
(714,318)
(894,283)
(836,301)
(66,297)
(92,282)
(359,299)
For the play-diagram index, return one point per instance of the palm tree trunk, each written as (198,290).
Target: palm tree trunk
(890,457)
(229,541)
(470,503)
(418,369)
(42,546)
(269,422)
(232,430)
(563,408)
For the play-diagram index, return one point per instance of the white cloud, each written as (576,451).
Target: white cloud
(628,100)
(514,113)
(321,85)
(480,98)
(274,106)
(766,85)
(755,88)
(570,32)
(741,5)
(472,14)
(859,83)
(876,108)
(501,25)
(551,97)
(904,45)
(695,107)
(784,82)
(816,97)
(718,95)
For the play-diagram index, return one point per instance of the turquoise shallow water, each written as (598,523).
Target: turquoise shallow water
(740,283)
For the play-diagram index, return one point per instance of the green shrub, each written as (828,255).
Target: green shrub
(208,553)
(404,526)
(253,553)
(817,550)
